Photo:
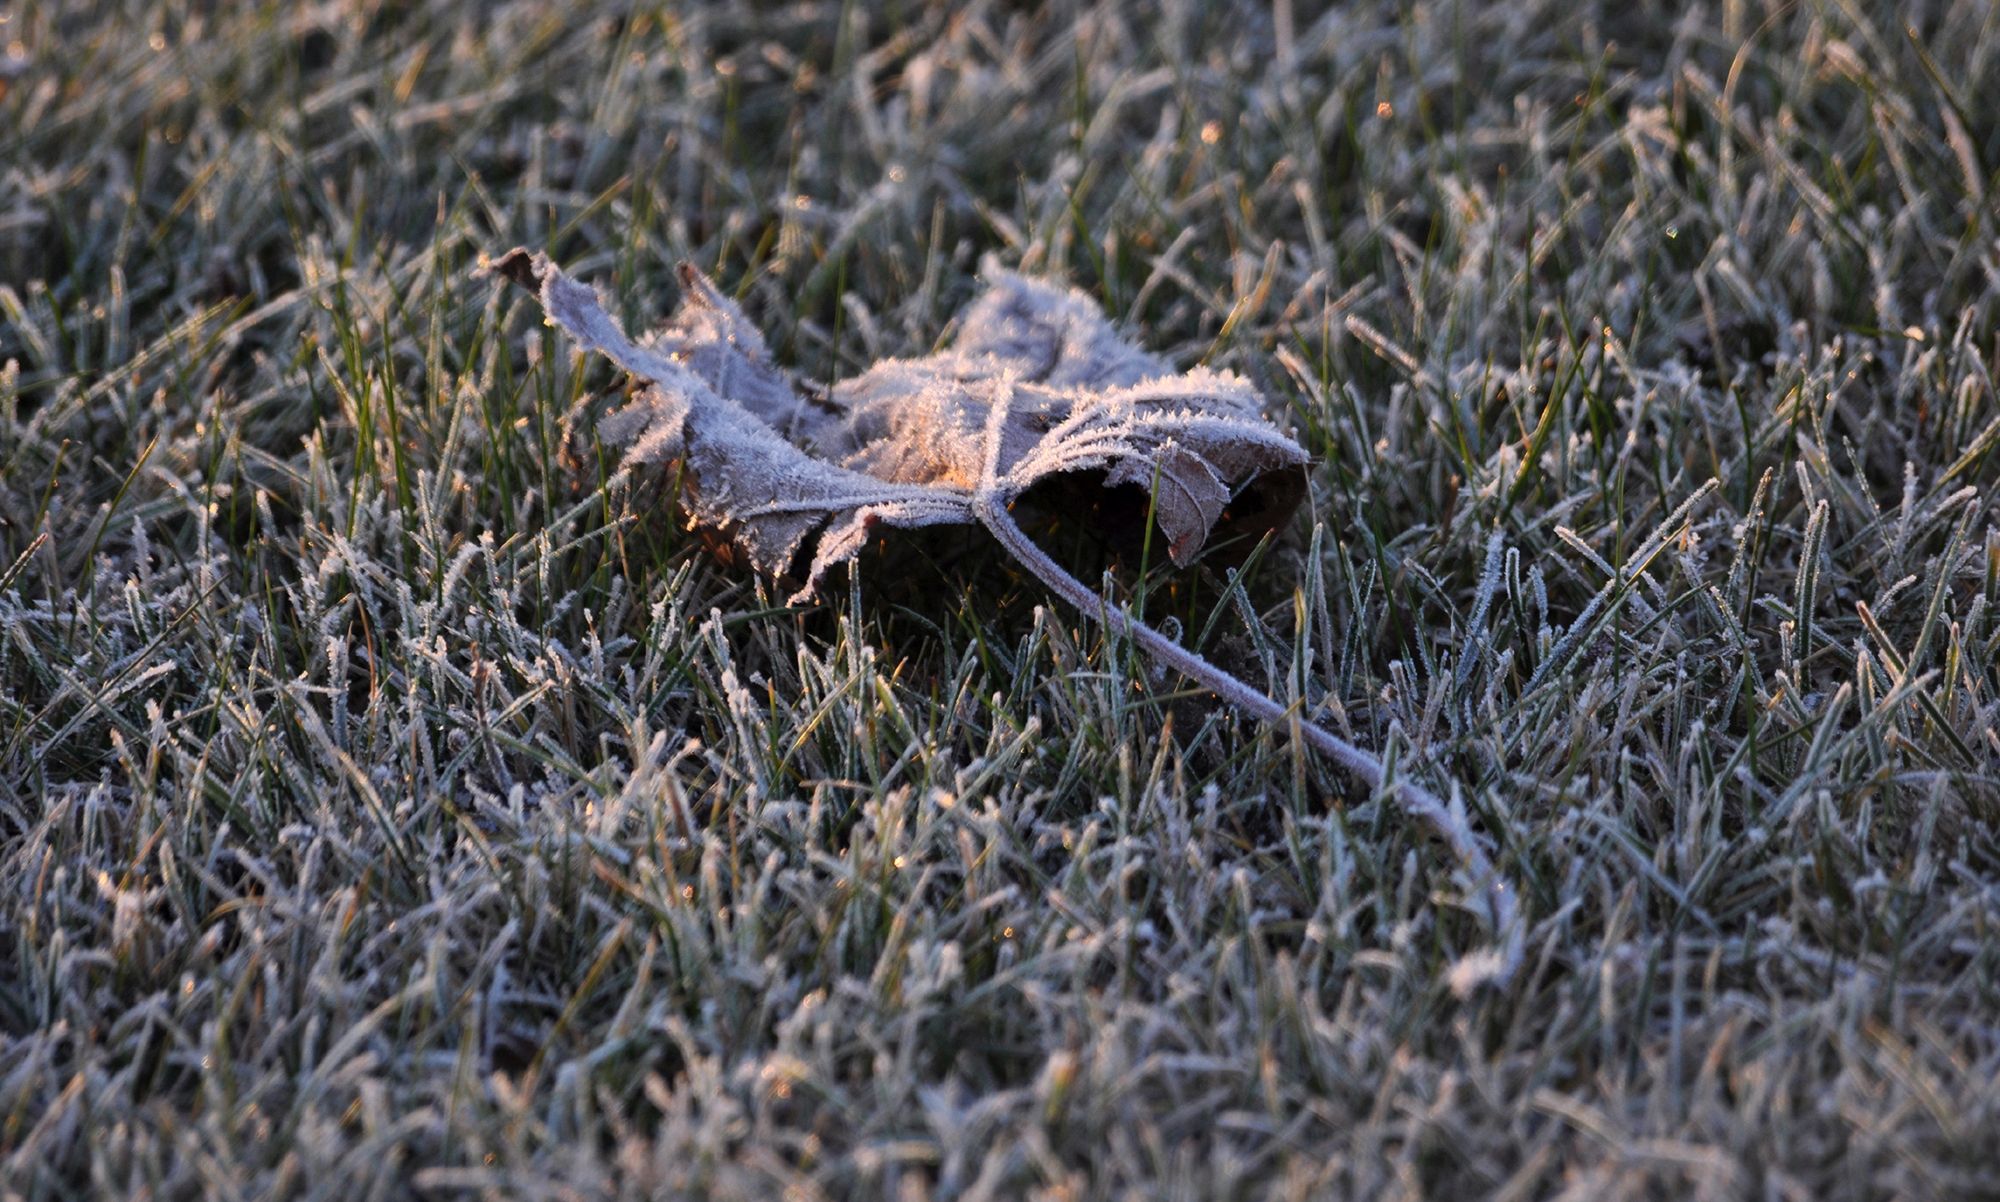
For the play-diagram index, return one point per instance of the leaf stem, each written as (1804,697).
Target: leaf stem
(1449,822)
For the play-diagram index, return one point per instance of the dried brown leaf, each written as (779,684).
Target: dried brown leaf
(1039,384)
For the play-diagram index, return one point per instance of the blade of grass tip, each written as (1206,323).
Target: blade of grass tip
(35,544)
(1474,648)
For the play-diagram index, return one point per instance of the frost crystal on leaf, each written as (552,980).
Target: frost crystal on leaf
(1038,385)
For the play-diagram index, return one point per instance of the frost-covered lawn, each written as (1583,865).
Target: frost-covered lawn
(397,801)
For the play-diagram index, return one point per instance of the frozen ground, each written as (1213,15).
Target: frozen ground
(389,807)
